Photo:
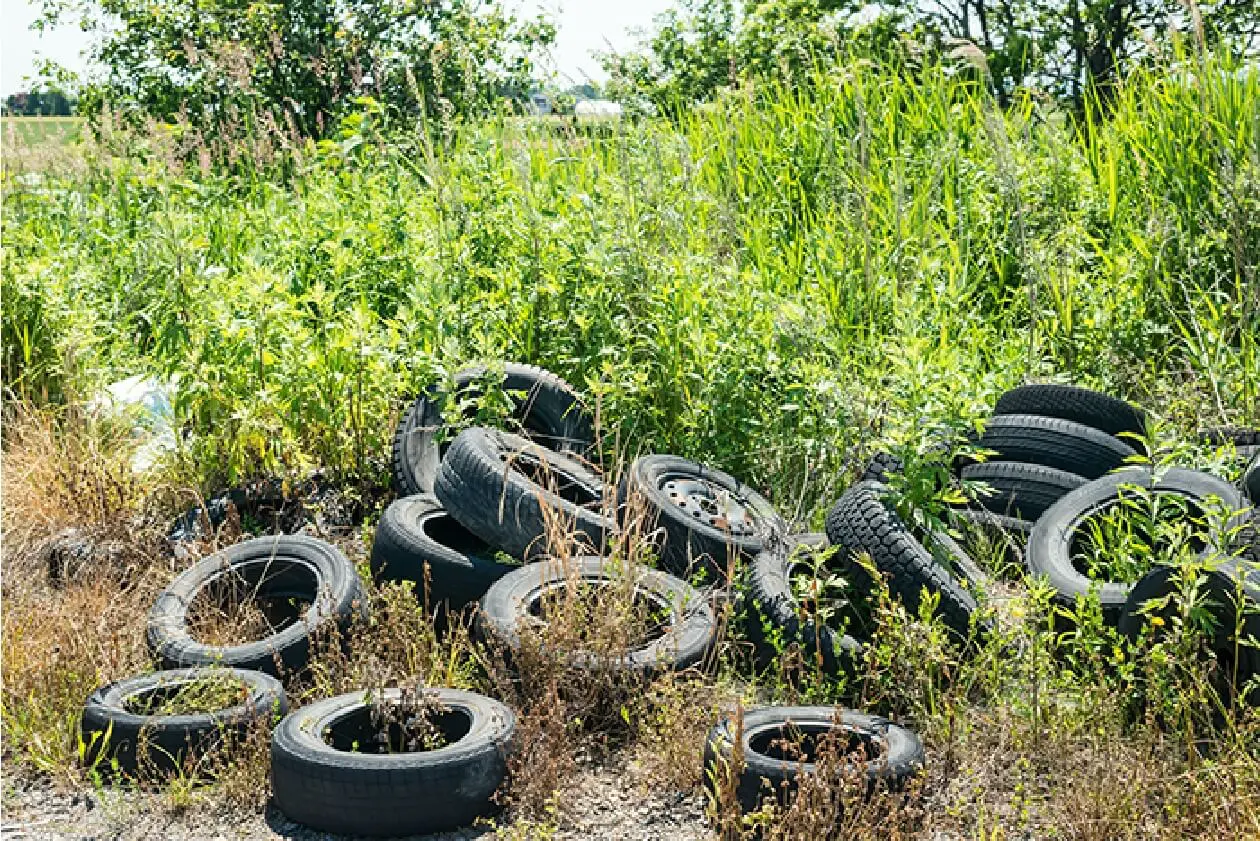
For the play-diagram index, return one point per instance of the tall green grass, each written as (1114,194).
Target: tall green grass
(776,283)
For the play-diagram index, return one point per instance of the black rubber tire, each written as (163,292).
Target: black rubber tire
(485,486)
(881,466)
(1023,491)
(1251,481)
(391,794)
(999,524)
(861,522)
(690,636)
(1050,544)
(112,733)
(259,501)
(774,606)
(1052,442)
(687,543)
(550,413)
(1239,436)
(416,535)
(287,566)
(1220,590)
(1081,405)
(898,752)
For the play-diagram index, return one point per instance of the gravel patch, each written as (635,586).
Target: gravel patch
(604,801)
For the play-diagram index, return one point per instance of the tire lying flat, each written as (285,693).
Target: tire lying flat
(862,522)
(549,412)
(1051,544)
(1219,591)
(389,794)
(516,599)
(892,754)
(1080,405)
(279,567)
(775,606)
(707,520)
(1020,490)
(114,734)
(418,541)
(1052,442)
(515,494)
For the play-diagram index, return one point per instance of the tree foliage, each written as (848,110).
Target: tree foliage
(299,62)
(1063,46)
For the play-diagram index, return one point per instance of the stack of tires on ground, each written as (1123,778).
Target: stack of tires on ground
(496,520)
(471,511)
(1059,458)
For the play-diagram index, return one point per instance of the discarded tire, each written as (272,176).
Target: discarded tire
(707,519)
(1072,403)
(881,466)
(261,501)
(1246,440)
(417,540)
(999,525)
(682,633)
(777,609)
(1055,540)
(1224,593)
(779,744)
(275,574)
(123,723)
(548,411)
(517,496)
(1023,491)
(1251,481)
(325,776)
(1052,442)
(862,522)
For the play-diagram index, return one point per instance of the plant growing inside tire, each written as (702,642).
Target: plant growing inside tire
(166,722)
(433,762)
(771,752)
(599,614)
(1097,540)
(1194,630)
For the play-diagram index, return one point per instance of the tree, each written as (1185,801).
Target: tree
(1071,46)
(710,44)
(1065,46)
(50,102)
(301,61)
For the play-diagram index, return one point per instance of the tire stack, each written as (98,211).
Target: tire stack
(1057,456)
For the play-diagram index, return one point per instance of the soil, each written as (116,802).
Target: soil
(604,802)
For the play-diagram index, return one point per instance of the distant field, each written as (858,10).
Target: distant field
(38,131)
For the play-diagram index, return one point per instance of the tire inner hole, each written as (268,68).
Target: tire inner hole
(251,601)
(1124,538)
(793,742)
(445,530)
(402,731)
(187,697)
(601,609)
(553,477)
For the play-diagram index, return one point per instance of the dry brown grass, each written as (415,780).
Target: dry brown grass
(1019,746)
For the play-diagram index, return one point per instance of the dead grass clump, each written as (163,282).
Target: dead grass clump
(59,645)
(72,503)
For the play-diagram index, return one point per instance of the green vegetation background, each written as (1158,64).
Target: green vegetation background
(777,282)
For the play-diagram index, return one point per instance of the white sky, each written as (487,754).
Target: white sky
(584,25)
